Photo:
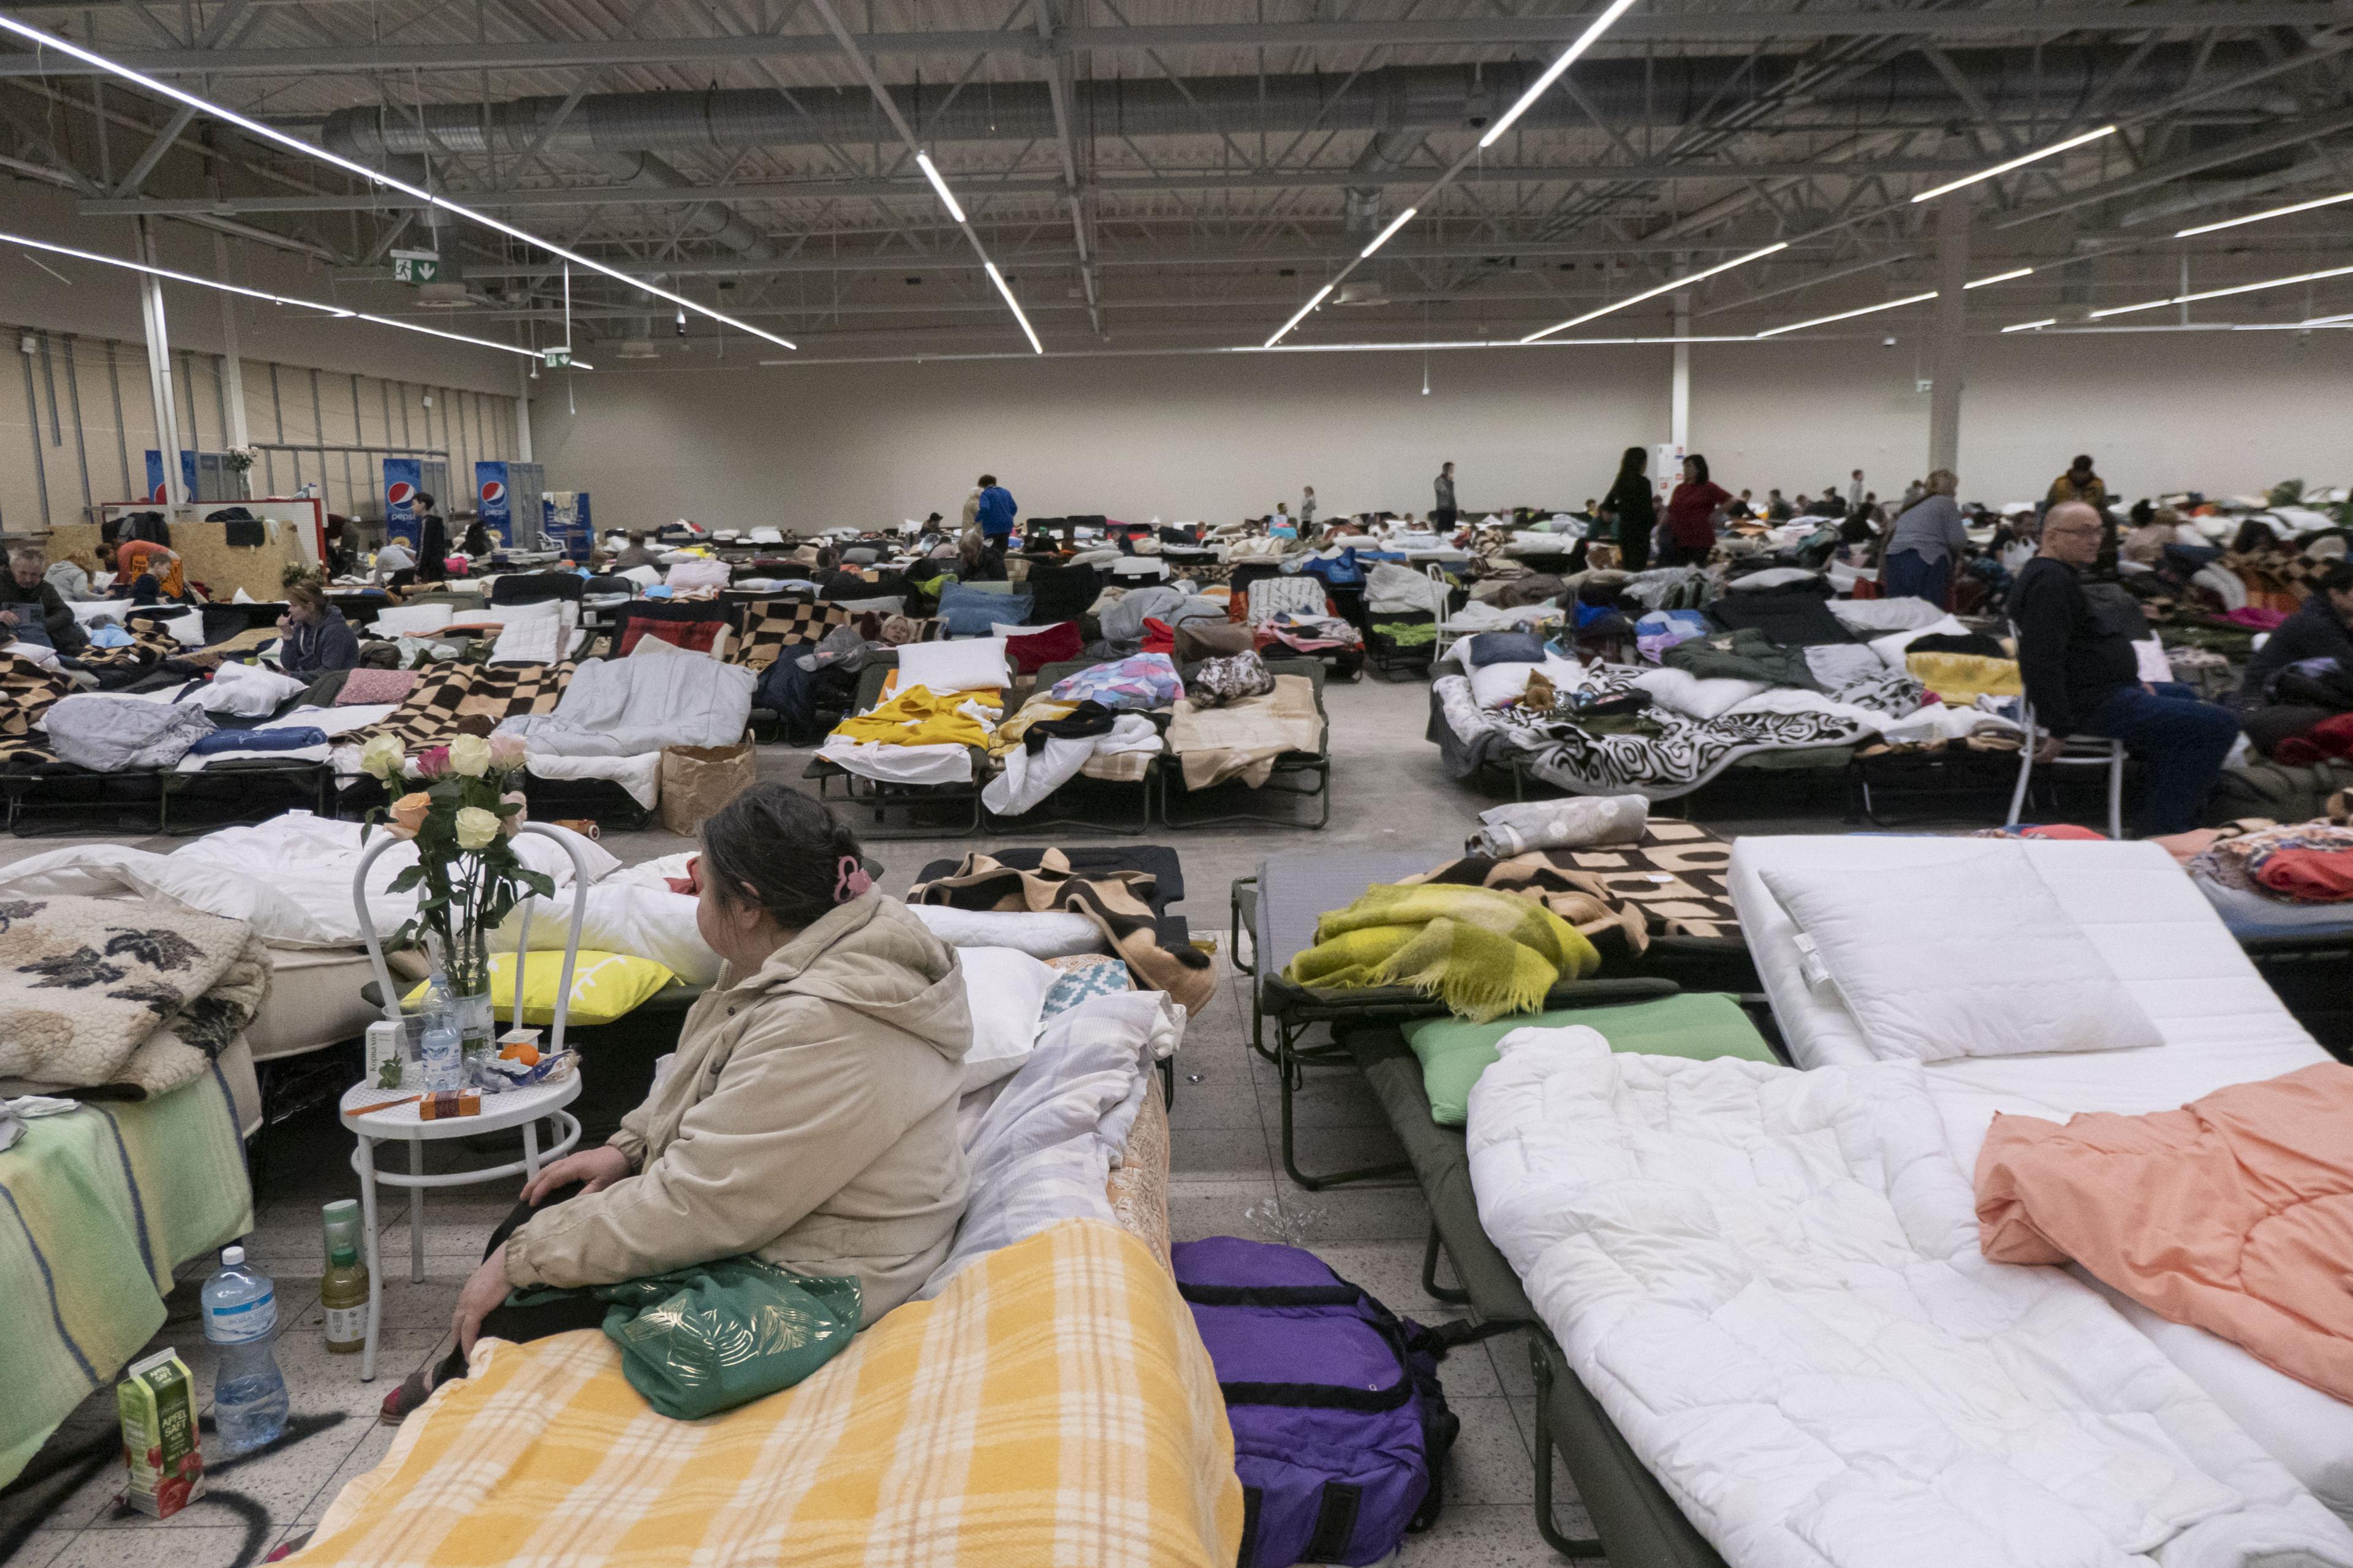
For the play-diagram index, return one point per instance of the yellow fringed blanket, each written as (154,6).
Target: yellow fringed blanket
(1484,953)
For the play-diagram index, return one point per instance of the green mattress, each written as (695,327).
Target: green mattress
(1701,1025)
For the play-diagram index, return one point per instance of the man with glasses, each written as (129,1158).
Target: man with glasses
(2076,654)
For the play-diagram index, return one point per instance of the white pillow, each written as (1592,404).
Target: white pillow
(413,620)
(1702,699)
(1492,685)
(1891,648)
(1970,958)
(1005,992)
(1886,614)
(964,664)
(532,639)
(1044,933)
(647,922)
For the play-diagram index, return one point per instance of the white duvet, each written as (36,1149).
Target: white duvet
(1771,1281)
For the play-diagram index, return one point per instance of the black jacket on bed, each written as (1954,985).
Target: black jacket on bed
(2313,631)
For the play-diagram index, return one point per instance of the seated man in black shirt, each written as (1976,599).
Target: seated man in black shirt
(2075,655)
(2318,629)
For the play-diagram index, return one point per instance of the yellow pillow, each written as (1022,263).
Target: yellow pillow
(604,986)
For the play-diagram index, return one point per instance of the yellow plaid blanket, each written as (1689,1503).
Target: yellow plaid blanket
(1054,1406)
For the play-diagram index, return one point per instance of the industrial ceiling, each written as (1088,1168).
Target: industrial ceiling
(1176,175)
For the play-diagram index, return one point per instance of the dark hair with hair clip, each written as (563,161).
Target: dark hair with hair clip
(784,851)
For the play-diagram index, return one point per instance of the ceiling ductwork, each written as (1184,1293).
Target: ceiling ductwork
(2044,84)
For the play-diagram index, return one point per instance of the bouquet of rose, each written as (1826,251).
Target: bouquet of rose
(463,821)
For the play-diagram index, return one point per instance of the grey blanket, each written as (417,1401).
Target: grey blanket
(111,734)
(626,707)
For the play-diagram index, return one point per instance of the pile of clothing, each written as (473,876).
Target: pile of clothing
(2267,877)
(917,737)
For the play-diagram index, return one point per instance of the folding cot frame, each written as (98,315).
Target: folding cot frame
(30,816)
(1280,910)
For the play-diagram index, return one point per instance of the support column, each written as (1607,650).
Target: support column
(232,361)
(523,411)
(159,370)
(1679,397)
(1948,347)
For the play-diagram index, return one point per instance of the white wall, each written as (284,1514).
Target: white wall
(1218,438)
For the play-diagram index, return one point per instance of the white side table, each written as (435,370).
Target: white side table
(521,1107)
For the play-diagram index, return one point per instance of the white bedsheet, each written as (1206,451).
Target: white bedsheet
(1771,1281)
(2220,1024)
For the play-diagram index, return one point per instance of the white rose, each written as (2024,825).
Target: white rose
(469,755)
(382,757)
(476,828)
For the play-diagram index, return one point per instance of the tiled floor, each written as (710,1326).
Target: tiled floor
(1389,792)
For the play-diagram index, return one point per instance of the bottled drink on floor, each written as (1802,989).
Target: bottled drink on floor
(240,1308)
(343,1291)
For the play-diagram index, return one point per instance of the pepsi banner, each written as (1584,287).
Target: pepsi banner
(155,491)
(508,499)
(403,477)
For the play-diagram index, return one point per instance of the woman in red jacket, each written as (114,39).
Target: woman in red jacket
(1693,512)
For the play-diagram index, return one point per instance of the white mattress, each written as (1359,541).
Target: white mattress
(2220,1023)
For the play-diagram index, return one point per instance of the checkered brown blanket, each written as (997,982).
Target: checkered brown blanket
(446,696)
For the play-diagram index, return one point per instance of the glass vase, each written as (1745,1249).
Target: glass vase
(464,962)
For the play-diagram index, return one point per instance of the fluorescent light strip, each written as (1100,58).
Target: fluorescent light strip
(2032,326)
(924,160)
(1667,288)
(267,298)
(2326,320)
(1584,41)
(1301,315)
(41,39)
(999,278)
(2018,162)
(1849,315)
(2263,217)
(2000,278)
(2222,293)
(1389,233)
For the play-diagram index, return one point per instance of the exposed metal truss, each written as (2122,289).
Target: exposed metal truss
(1186,172)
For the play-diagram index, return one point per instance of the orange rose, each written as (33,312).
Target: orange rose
(408,814)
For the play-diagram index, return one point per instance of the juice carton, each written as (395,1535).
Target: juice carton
(158,1401)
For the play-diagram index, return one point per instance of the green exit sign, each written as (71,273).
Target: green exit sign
(557,359)
(415,266)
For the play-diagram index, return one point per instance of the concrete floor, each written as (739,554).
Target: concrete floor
(1389,792)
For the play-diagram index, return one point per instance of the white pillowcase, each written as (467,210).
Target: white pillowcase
(964,664)
(246,691)
(1005,992)
(1886,614)
(1891,648)
(532,639)
(1044,933)
(647,922)
(413,620)
(1971,958)
(1702,699)
(1493,685)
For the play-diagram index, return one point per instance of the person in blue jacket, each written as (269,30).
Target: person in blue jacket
(996,517)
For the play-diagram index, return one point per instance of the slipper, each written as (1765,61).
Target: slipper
(402,1402)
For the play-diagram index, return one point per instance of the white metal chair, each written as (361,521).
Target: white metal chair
(2082,751)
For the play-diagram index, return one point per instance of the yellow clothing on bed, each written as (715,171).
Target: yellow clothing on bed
(916,716)
(1960,678)
(1053,1405)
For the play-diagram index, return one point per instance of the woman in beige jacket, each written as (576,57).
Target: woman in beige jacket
(809,1118)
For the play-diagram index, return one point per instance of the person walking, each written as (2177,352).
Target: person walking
(994,514)
(1928,537)
(1307,512)
(1627,511)
(1854,491)
(1442,514)
(1693,511)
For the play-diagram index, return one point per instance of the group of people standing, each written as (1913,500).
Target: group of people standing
(1630,517)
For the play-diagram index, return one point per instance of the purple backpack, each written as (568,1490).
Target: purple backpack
(1340,1427)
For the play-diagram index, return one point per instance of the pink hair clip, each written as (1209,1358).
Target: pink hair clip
(849,880)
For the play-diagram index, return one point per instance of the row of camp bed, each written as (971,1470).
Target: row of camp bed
(888,810)
(1634,1520)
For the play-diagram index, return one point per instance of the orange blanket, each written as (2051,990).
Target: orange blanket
(2234,1213)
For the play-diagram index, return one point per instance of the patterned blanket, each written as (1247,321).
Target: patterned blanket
(1685,754)
(113,999)
(445,696)
(772,626)
(25,692)
(1053,1404)
(1674,881)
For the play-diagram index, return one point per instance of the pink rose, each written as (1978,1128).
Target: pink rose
(511,825)
(433,761)
(506,752)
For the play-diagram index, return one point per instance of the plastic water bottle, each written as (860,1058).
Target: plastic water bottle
(240,1307)
(442,1051)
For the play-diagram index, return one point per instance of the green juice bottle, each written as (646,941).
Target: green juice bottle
(344,1292)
